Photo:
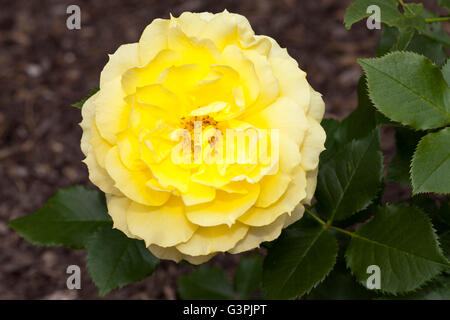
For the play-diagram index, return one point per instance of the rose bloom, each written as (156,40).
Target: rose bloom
(210,68)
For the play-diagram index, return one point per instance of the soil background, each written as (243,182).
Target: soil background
(44,68)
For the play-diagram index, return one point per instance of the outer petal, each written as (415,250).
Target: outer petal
(173,254)
(198,259)
(317,106)
(313,145)
(290,156)
(125,57)
(227,28)
(296,215)
(296,192)
(99,176)
(224,209)
(153,40)
(117,209)
(207,240)
(193,50)
(112,112)
(193,24)
(311,183)
(256,235)
(88,116)
(292,80)
(133,183)
(276,50)
(272,188)
(164,226)
(100,146)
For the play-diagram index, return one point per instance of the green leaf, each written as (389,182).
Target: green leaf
(444,3)
(406,141)
(114,260)
(408,88)
(446,72)
(439,211)
(402,242)
(364,215)
(430,170)
(429,47)
(347,183)
(438,289)
(300,259)
(358,11)
(413,9)
(387,40)
(80,103)
(247,278)
(429,43)
(340,285)
(206,283)
(403,40)
(362,121)
(390,14)
(336,137)
(435,31)
(68,218)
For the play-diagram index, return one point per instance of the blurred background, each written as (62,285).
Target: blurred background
(44,68)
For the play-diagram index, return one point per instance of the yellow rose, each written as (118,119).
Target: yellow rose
(209,69)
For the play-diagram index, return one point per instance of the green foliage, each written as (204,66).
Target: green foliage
(428,47)
(406,141)
(248,276)
(430,43)
(78,218)
(301,257)
(205,284)
(446,72)
(114,260)
(403,39)
(402,242)
(212,283)
(390,14)
(340,285)
(387,40)
(438,289)
(408,88)
(444,3)
(80,103)
(348,183)
(67,219)
(430,170)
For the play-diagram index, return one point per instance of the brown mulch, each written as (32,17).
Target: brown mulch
(44,68)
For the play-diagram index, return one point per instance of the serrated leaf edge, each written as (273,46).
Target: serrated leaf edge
(440,251)
(412,164)
(370,91)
